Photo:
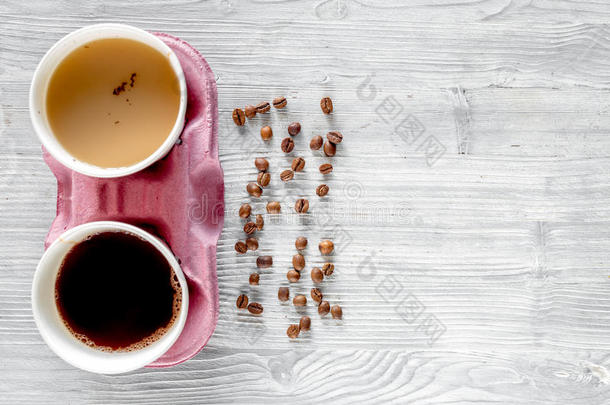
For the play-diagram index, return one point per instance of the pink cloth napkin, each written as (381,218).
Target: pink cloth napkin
(180,199)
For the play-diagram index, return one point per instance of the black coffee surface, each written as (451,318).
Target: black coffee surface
(116,291)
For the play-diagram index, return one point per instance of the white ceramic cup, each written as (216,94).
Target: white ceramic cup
(56,334)
(45,69)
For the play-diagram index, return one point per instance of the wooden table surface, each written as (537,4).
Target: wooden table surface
(470,201)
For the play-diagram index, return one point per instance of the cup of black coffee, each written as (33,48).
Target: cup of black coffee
(109,297)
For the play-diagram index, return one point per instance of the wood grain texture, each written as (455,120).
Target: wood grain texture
(482,278)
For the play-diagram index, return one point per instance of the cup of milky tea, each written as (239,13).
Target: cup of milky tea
(108,100)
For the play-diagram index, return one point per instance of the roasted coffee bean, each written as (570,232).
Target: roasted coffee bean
(316,275)
(266,133)
(293,331)
(260,222)
(328,269)
(256,308)
(336,312)
(287,145)
(263,262)
(326,168)
(245,210)
(294,129)
(279,102)
(301,206)
(254,278)
(263,179)
(298,164)
(250,111)
(326,247)
(254,189)
(305,323)
(323,308)
(249,228)
(299,300)
(261,164)
(242,301)
(274,207)
(252,243)
(263,107)
(316,142)
(334,137)
(298,262)
(330,149)
(240,247)
(300,243)
(293,276)
(316,295)
(287,175)
(283,294)
(326,104)
(322,190)
(239,118)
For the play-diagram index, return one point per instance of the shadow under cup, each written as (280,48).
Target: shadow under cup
(53,328)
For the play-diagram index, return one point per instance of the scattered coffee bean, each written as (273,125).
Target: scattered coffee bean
(287,175)
(298,164)
(263,262)
(293,331)
(242,301)
(322,190)
(254,189)
(316,275)
(254,278)
(245,210)
(263,179)
(298,262)
(283,294)
(326,247)
(261,164)
(301,206)
(239,118)
(252,243)
(287,145)
(300,243)
(305,323)
(279,102)
(336,312)
(316,295)
(260,222)
(240,247)
(326,104)
(266,133)
(294,129)
(316,142)
(256,308)
(328,269)
(250,111)
(274,207)
(326,168)
(299,300)
(263,107)
(293,276)
(329,149)
(334,137)
(249,228)
(323,308)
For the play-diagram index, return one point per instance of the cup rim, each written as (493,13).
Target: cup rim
(41,80)
(67,346)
